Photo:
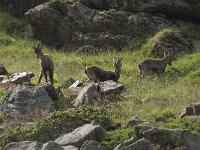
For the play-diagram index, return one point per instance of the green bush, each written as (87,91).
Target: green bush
(58,123)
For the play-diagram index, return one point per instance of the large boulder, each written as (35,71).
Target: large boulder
(78,136)
(169,138)
(141,144)
(19,7)
(184,9)
(73,25)
(171,41)
(25,101)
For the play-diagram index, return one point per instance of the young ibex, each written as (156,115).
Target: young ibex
(97,74)
(155,65)
(46,64)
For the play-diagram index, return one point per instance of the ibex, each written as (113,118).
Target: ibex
(89,94)
(46,64)
(97,74)
(155,65)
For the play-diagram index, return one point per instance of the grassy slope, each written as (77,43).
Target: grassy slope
(147,98)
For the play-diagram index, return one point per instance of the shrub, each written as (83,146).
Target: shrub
(58,123)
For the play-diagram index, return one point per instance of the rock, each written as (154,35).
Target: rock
(19,7)
(2,128)
(192,109)
(133,121)
(51,146)
(73,25)
(90,94)
(27,101)
(2,77)
(23,145)
(90,50)
(18,78)
(170,41)
(183,9)
(111,89)
(78,136)
(69,147)
(126,143)
(3,70)
(92,145)
(168,138)
(141,144)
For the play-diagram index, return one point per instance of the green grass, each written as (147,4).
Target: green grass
(146,98)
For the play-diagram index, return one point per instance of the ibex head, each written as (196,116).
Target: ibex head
(37,49)
(168,55)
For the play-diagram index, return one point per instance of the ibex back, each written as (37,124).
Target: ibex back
(155,65)
(46,64)
(97,74)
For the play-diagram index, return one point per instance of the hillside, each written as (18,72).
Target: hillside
(147,98)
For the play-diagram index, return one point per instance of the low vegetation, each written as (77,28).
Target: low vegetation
(146,98)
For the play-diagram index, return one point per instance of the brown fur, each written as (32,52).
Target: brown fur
(155,65)
(46,64)
(97,74)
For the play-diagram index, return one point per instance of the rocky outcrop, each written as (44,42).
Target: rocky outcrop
(19,7)
(26,102)
(78,136)
(184,9)
(74,25)
(166,138)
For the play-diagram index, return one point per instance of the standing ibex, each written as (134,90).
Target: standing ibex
(97,74)
(46,64)
(155,65)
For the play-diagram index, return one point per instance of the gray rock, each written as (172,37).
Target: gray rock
(183,9)
(2,128)
(191,110)
(18,78)
(23,145)
(69,147)
(19,7)
(168,139)
(26,101)
(75,25)
(170,41)
(109,89)
(92,145)
(3,70)
(51,146)
(141,144)
(78,136)
(90,94)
